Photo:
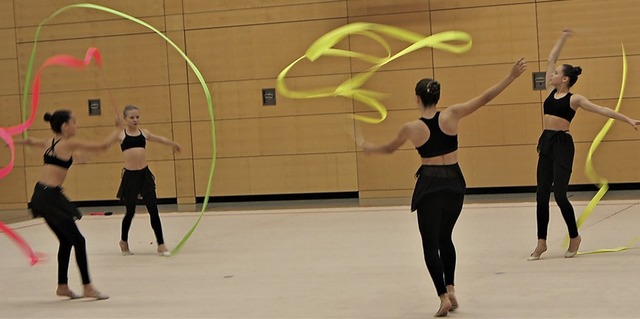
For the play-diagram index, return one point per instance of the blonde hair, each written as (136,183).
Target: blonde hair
(129,108)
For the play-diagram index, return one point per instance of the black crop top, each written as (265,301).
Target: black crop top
(51,159)
(133,141)
(559,107)
(438,143)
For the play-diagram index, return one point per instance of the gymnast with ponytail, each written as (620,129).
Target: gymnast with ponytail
(49,202)
(440,187)
(556,148)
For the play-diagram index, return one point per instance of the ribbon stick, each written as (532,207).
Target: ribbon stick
(592,175)
(34,258)
(182,54)
(351,88)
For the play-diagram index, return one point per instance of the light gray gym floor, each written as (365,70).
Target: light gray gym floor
(333,259)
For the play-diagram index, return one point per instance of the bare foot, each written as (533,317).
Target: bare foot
(64,291)
(540,249)
(124,247)
(92,292)
(574,245)
(163,251)
(445,306)
(452,297)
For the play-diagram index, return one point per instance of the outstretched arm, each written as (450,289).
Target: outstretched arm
(458,111)
(390,147)
(554,54)
(584,103)
(162,139)
(32,141)
(79,145)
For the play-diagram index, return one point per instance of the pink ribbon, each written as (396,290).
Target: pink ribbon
(64,60)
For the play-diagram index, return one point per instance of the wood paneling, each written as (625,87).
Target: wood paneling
(191,6)
(599,29)
(32,12)
(359,8)
(457,4)
(500,34)
(8,49)
(293,11)
(417,22)
(312,173)
(6,14)
(9,78)
(255,52)
(265,136)
(12,186)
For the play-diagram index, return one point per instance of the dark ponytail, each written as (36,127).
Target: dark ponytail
(429,91)
(57,119)
(572,72)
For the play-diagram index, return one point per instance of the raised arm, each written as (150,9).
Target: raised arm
(162,139)
(458,111)
(583,102)
(554,54)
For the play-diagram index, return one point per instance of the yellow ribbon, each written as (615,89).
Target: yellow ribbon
(592,175)
(351,88)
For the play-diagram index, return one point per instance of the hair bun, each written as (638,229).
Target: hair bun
(577,70)
(47,117)
(433,87)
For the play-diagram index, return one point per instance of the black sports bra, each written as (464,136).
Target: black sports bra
(51,159)
(133,141)
(559,107)
(438,143)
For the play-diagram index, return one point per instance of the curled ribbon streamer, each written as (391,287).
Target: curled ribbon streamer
(6,133)
(64,60)
(351,88)
(182,54)
(33,257)
(592,175)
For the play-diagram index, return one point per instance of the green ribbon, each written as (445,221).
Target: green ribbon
(351,88)
(184,56)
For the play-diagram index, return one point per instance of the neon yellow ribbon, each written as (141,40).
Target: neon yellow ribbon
(351,88)
(592,175)
(184,56)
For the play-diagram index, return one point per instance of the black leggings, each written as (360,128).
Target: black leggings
(437,215)
(59,213)
(69,236)
(549,173)
(134,183)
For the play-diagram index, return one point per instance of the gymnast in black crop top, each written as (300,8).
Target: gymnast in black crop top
(559,107)
(439,143)
(51,158)
(130,141)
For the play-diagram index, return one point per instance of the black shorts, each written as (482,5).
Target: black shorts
(136,183)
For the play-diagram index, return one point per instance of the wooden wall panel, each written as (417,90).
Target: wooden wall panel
(243,99)
(312,173)
(152,101)
(244,53)
(600,27)
(32,12)
(260,15)
(502,125)
(586,125)
(6,14)
(359,8)
(8,49)
(492,41)
(460,84)
(131,61)
(191,6)
(8,81)
(12,187)
(417,22)
(10,110)
(90,29)
(274,136)
(457,4)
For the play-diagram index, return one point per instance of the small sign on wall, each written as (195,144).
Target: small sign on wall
(268,96)
(94,107)
(539,80)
